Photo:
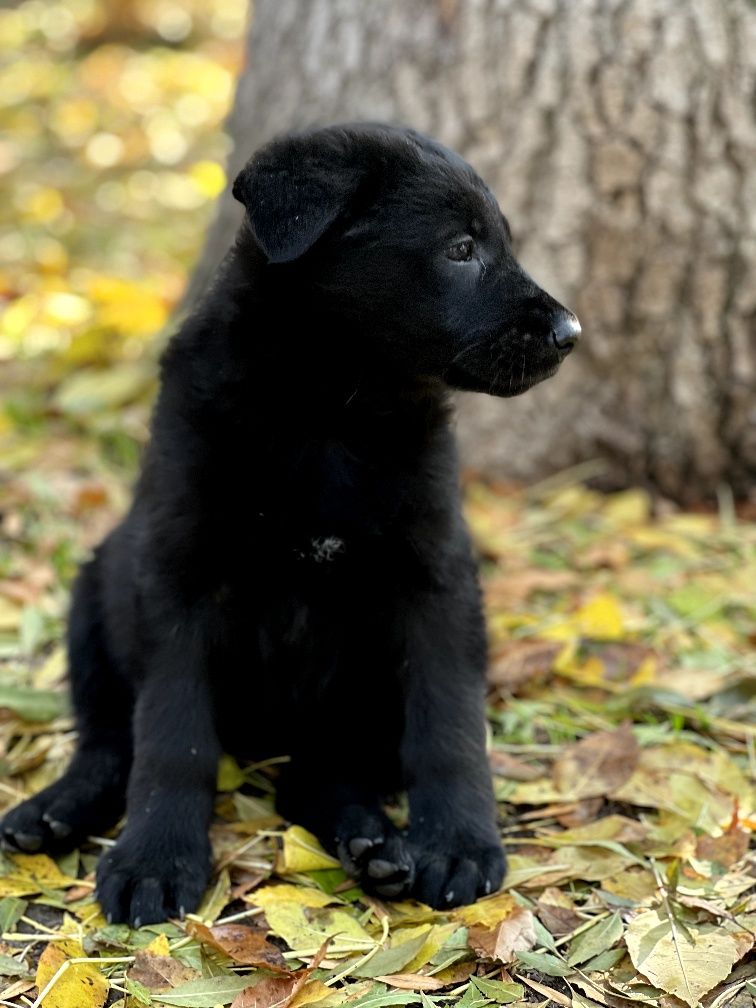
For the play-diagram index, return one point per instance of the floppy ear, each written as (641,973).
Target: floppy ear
(294,189)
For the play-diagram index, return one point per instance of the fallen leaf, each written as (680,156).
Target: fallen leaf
(80,985)
(600,618)
(26,874)
(488,912)
(590,943)
(598,764)
(279,992)
(546,963)
(685,961)
(556,912)
(205,993)
(32,704)
(517,586)
(302,852)
(159,972)
(726,849)
(411,981)
(306,896)
(504,765)
(516,933)
(516,662)
(240,943)
(499,991)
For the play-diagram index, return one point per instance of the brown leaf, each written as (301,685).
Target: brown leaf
(272,991)
(621,659)
(556,912)
(411,981)
(504,765)
(159,973)
(240,943)
(598,764)
(580,812)
(516,662)
(726,850)
(279,992)
(516,933)
(516,586)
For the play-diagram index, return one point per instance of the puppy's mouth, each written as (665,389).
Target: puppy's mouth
(510,375)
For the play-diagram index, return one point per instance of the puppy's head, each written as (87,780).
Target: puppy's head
(386,230)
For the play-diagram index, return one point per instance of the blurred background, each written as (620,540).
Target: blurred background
(619,136)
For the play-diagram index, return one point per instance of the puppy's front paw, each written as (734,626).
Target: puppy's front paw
(147,878)
(450,874)
(372,852)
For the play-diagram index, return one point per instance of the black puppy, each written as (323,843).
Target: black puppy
(295,575)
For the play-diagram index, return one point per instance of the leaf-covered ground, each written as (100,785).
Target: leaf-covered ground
(621,719)
(623,644)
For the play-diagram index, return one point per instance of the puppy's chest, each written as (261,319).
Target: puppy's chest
(327,507)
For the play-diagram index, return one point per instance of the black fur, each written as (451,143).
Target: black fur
(295,575)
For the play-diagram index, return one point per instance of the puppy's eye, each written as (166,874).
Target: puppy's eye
(461,251)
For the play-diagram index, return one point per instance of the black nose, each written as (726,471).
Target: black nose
(565,333)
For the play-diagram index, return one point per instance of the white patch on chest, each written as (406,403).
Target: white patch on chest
(326,548)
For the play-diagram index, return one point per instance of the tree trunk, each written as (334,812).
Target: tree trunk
(619,136)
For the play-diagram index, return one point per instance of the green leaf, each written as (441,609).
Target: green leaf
(427,1002)
(12,910)
(32,630)
(498,991)
(472,998)
(392,960)
(595,940)
(605,961)
(230,775)
(544,937)
(205,993)
(138,992)
(381,997)
(12,967)
(31,704)
(546,963)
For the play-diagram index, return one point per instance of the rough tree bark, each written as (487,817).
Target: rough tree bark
(620,138)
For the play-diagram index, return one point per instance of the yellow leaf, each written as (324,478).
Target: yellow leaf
(31,872)
(90,915)
(488,912)
(305,929)
(631,507)
(685,961)
(64,308)
(209,178)
(303,895)
(230,775)
(10,615)
(129,307)
(600,618)
(159,946)
(435,939)
(312,993)
(81,985)
(302,853)
(52,670)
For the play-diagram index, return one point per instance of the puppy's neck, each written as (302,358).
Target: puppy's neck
(289,349)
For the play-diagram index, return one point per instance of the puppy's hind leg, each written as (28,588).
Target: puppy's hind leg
(90,796)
